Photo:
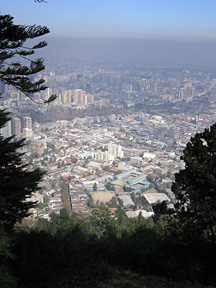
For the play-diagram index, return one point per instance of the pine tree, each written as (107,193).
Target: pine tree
(95,187)
(16,182)
(195,186)
(12,46)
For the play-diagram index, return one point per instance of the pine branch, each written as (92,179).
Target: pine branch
(12,39)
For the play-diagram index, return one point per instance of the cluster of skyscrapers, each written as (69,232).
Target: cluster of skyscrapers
(20,127)
(114,152)
(76,97)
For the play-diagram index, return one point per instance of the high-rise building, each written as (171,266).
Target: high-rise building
(70,96)
(6,130)
(182,93)
(16,126)
(27,127)
(80,97)
(27,122)
(103,156)
(115,150)
(190,92)
(64,97)
(90,98)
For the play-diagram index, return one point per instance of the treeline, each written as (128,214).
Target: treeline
(69,251)
(65,196)
(66,113)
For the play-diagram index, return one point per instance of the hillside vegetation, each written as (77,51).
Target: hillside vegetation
(69,251)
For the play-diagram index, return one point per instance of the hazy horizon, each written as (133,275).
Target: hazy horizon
(168,52)
(154,32)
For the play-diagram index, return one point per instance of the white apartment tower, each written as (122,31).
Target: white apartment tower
(27,126)
(27,122)
(6,130)
(115,150)
(103,156)
(16,126)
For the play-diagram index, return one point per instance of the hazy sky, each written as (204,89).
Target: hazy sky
(119,18)
(177,31)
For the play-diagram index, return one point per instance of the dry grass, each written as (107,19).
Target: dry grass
(102,196)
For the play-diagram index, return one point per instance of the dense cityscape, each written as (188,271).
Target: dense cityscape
(107,144)
(114,135)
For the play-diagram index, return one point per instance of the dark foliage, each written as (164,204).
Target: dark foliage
(16,183)
(71,252)
(12,40)
(195,186)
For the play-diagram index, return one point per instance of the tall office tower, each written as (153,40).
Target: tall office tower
(193,92)
(16,126)
(77,96)
(144,83)
(70,96)
(115,150)
(6,130)
(80,97)
(90,98)
(190,91)
(84,99)
(27,127)
(27,122)
(64,97)
(182,93)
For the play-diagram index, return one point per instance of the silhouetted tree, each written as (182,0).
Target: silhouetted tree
(95,186)
(12,46)
(195,186)
(113,202)
(16,182)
